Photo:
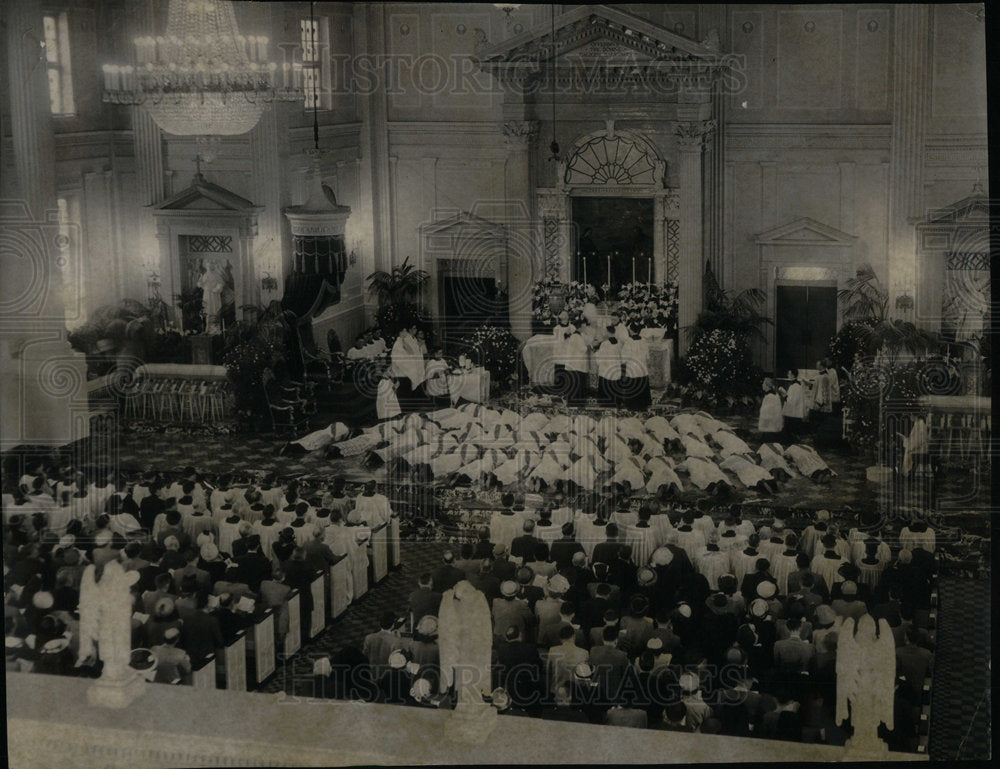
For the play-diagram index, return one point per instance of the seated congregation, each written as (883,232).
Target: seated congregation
(726,628)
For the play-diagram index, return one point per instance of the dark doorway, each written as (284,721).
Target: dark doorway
(468,302)
(604,226)
(805,321)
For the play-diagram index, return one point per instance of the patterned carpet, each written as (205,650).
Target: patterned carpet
(960,716)
(960,694)
(361,618)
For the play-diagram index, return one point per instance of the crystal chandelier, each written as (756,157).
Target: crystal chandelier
(201,77)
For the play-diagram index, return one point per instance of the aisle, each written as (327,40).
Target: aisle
(961,676)
(360,619)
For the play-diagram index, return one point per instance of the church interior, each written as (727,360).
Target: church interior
(510,373)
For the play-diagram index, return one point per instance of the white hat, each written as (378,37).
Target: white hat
(508,588)
(662,556)
(397,660)
(766,589)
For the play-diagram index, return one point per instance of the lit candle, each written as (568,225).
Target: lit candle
(633,269)
(584,270)
(609,270)
(649,280)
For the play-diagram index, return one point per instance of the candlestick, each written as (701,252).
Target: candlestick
(585,271)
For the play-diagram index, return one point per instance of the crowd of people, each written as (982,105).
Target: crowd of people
(212,553)
(727,629)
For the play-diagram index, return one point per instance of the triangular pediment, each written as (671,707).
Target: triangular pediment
(805,231)
(974,209)
(203,195)
(463,223)
(595,33)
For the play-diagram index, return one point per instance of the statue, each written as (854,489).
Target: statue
(866,677)
(465,640)
(211,284)
(106,620)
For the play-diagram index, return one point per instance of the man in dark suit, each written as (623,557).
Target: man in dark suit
(201,634)
(424,600)
(562,549)
(750,582)
(518,668)
(623,571)
(191,558)
(607,551)
(254,567)
(609,663)
(528,592)
(230,622)
(484,548)
(486,582)
(446,576)
(523,546)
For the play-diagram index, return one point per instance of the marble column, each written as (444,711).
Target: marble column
(524,268)
(41,378)
(691,267)
(912,71)
(378,136)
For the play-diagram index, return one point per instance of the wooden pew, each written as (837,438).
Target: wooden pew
(338,587)
(317,622)
(203,677)
(263,646)
(234,664)
(395,555)
(293,638)
(380,552)
(361,574)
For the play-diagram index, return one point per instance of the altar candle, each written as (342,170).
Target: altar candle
(585,271)
(649,280)
(609,270)
(633,269)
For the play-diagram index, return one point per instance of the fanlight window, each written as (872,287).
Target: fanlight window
(605,160)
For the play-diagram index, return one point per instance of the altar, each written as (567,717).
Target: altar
(538,354)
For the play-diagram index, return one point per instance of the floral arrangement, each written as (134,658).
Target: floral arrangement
(577,295)
(497,351)
(718,371)
(645,305)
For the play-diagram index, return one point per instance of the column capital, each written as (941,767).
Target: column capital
(692,136)
(520,131)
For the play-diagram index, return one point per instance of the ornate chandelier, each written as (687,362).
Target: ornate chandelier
(201,77)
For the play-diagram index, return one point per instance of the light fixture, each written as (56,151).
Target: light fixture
(201,77)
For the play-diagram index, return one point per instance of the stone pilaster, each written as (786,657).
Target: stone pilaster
(911,68)
(524,267)
(691,265)
(268,253)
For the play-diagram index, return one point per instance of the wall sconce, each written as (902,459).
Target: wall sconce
(268,283)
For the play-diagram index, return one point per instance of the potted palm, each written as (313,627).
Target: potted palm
(396,292)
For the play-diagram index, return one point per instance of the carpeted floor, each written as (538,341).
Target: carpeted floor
(960,718)
(960,694)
